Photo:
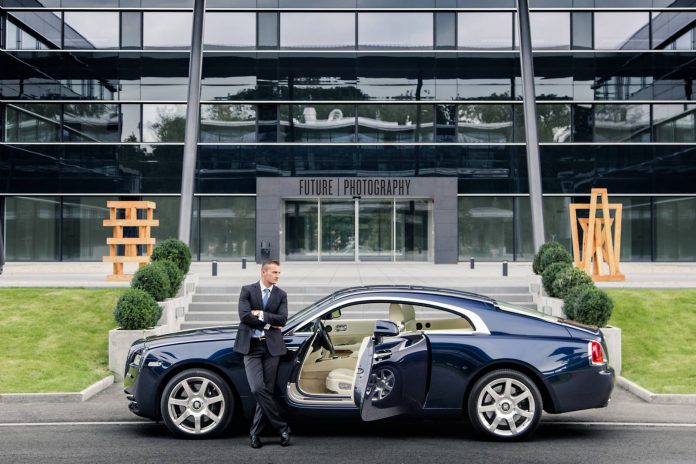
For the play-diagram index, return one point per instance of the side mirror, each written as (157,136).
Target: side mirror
(385,329)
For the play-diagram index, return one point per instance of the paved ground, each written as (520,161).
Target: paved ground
(67,274)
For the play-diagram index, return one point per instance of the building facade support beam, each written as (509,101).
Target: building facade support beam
(530,124)
(191,133)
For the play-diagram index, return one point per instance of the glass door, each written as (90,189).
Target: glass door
(301,230)
(412,231)
(376,230)
(337,220)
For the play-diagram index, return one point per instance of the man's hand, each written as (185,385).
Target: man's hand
(256,312)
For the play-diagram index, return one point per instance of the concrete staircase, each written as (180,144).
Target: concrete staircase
(215,302)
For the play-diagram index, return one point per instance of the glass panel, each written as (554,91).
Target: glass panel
(130,123)
(268,30)
(37,30)
(393,123)
(557,220)
(228,123)
(228,227)
(582,123)
(524,240)
(395,30)
(636,235)
(167,29)
(550,30)
(31,228)
(91,123)
(337,230)
(553,123)
(622,123)
(485,228)
(484,31)
(88,30)
(674,123)
(33,122)
(413,230)
(675,224)
(317,30)
(268,123)
(445,30)
(317,123)
(582,30)
(229,30)
(164,123)
(622,31)
(167,212)
(84,236)
(446,121)
(376,229)
(131,29)
(484,123)
(19,39)
(301,230)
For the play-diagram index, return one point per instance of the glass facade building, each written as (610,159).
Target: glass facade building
(93,99)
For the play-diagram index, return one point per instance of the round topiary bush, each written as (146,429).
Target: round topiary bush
(173,273)
(175,251)
(589,305)
(568,278)
(548,277)
(549,253)
(136,310)
(153,280)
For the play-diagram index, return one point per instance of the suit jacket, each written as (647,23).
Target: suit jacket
(276,313)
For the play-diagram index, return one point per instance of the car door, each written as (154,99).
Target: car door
(392,375)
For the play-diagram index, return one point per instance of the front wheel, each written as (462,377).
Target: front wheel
(505,405)
(196,403)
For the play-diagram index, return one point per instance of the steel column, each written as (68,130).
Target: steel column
(192,123)
(530,124)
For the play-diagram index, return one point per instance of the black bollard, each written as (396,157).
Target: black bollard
(243,263)
(471,262)
(505,268)
(214,268)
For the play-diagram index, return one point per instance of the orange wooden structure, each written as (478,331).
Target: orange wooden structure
(599,245)
(130,219)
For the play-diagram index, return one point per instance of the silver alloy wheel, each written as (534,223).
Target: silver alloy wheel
(384,380)
(196,405)
(505,407)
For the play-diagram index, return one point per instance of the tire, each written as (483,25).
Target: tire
(189,413)
(505,405)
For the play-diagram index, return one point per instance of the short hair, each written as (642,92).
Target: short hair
(268,262)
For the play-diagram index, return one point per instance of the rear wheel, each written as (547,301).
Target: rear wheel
(505,405)
(196,403)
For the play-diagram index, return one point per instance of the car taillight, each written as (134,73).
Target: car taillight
(596,353)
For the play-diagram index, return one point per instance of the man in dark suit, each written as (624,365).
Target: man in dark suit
(263,311)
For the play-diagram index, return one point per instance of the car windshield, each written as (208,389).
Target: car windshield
(301,314)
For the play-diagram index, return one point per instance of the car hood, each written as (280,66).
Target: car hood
(227,332)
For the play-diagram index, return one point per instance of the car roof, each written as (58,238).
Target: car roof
(437,291)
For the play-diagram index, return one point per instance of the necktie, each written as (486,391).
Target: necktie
(266,294)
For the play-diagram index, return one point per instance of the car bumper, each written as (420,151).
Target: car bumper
(586,389)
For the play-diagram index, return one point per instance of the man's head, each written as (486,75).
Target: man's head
(270,272)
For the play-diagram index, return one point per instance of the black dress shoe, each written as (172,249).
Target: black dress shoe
(255,441)
(285,438)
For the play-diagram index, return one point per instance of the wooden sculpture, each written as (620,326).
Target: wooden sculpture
(599,245)
(130,220)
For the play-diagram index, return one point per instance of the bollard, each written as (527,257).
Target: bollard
(214,268)
(471,262)
(243,263)
(505,268)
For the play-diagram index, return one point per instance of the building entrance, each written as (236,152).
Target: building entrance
(357,230)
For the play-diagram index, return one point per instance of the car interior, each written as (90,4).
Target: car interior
(340,338)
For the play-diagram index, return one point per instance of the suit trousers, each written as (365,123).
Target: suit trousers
(261,371)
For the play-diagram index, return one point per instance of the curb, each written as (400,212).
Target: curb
(655,398)
(68,397)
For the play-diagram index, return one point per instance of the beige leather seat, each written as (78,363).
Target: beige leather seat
(340,381)
(404,316)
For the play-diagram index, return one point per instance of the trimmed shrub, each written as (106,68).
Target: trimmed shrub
(567,279)
(175,251)
(136,310)
(550,273)
(173,273)
(588,305)
(152,279)
(549,253)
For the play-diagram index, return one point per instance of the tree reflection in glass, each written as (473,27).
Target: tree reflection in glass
(317,123)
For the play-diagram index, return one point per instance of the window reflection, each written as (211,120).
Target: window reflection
(446,123)
(32,228)
(228,123)
(317,123)
(167,29)
(395,30)
(484,31)
(676,221)
(553,123)
(164,123)
(622,123)
(34,30)
(674,123)
(485,228)
(622,31)
(550,31)
(33,122)
(317,30)
(88,30)
(19,39)
(84,236)
(394,123)
(91,123)
(229,30)
(484,123)
(228,227)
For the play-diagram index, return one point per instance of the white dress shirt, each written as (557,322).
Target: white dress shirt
(258,332)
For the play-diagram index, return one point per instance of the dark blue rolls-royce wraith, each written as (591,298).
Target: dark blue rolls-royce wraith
(382,351)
